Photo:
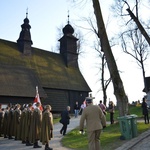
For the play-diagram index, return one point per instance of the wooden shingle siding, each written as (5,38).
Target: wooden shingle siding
(58,99)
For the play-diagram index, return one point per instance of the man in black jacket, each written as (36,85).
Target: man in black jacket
(65,120)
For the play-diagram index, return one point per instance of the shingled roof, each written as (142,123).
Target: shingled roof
(19,74)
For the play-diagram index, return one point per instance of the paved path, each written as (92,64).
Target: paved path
(6,144)
(142,142)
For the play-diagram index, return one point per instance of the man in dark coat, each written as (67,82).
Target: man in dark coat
(145,111)
(47,127)
(65,120)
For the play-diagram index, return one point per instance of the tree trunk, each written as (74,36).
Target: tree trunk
(102,81)
(140,27)
(122,99)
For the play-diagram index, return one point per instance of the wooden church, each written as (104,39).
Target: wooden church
(57,75)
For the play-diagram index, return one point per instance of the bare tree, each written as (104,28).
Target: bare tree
(104,82)
(132,40)
(103,65)
(119,92)
(136,48)
(143,32)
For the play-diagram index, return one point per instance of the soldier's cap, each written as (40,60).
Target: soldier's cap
(89,99)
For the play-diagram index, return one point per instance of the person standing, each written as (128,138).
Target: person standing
(76,109)
(23,125)
(102,106)
(1,121)
(17,117)
(65,120)
(83,105)
(47,127)
(36,126)
(28,119)
(111,109)
(145,111)
(95,122)
(5,122)
(10,122)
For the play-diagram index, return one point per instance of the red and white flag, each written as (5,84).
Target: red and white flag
(37,99)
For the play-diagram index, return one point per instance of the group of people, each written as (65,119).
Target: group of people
(78,109)
(111,109)
(31,125)
(28,124)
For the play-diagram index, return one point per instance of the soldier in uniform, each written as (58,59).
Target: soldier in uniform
(28,119)
(22,125)
(95,121)
(1,121)
(5,122)
(17,116)
(47,127)
(10,122)
(36,126)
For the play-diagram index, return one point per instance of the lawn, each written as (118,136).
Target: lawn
(110,137)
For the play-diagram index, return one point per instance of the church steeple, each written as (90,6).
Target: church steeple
(68,46)
(24,41)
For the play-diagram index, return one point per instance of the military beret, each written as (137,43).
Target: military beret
(89,99)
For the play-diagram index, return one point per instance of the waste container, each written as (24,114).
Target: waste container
(134,125)
(125,127)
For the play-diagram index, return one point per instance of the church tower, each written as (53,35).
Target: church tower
(24,42)
(68,46)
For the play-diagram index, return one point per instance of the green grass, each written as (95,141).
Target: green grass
(56,120)
(110,137)
(132,110)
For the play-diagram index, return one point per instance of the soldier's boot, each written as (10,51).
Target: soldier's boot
(28,143)
(47,147)
(36,145)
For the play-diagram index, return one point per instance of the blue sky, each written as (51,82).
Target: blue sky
(47,16)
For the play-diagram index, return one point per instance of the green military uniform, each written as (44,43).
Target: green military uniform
(28,119)
(22,125)
(47,127)
(1,122)
(36,126)
(5,123)
(10,123)
(17,116)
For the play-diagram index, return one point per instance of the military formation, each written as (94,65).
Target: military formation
(27,124)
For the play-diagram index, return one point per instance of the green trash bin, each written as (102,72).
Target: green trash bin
(134,125)
(125,127)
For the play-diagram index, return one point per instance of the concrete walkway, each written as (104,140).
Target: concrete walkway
(140,142)
(6,144)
